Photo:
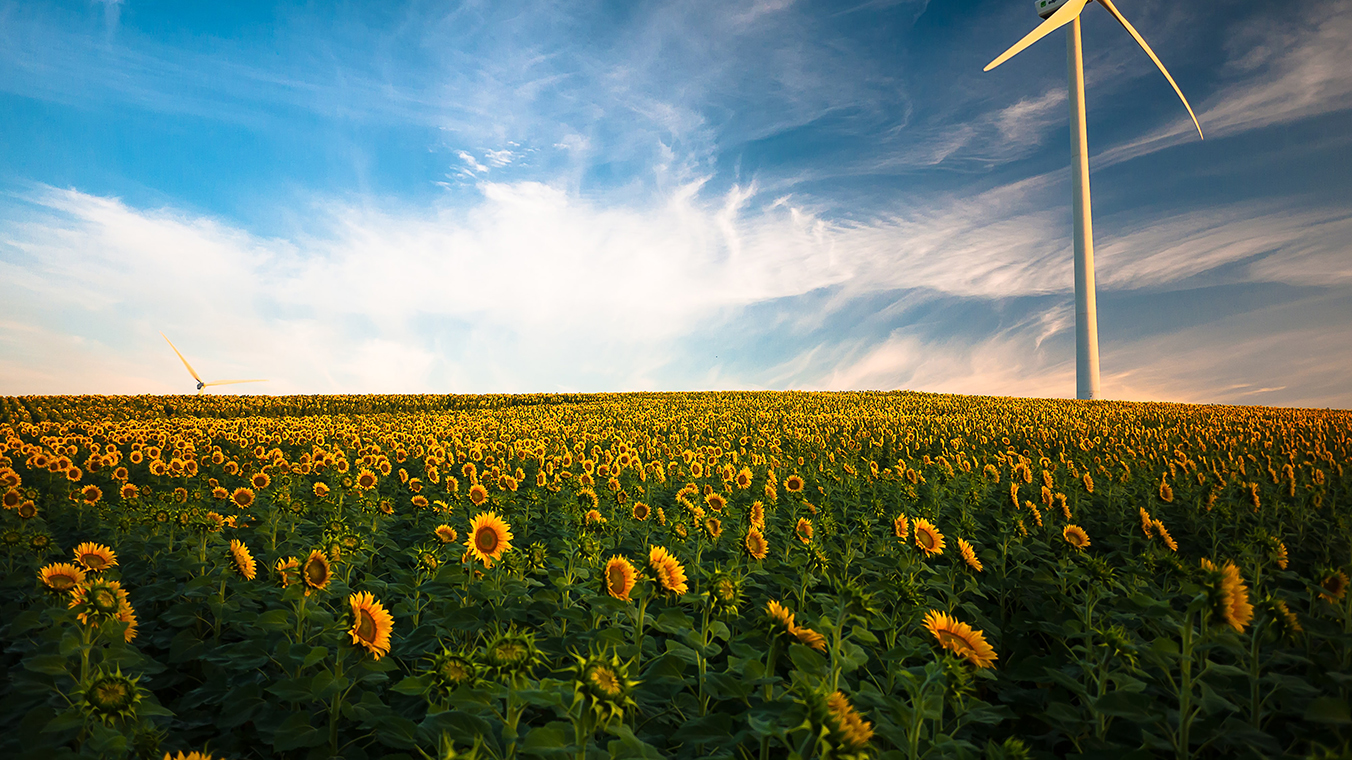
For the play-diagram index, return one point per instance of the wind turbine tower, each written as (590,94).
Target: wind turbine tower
(1058,13)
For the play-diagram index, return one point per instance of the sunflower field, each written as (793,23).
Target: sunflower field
(733,575)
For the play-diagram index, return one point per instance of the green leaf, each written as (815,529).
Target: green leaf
(296,732)
(48,664)
(673,622)
(1124,704)
(396,731)
(545,740)
(807,660)
(274,620)
(1329,710)
(316,654)
(68,720)
(414,685)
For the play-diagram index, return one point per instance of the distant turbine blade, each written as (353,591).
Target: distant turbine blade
(1060,18)
(191,371)
(232,382)
(1140,41)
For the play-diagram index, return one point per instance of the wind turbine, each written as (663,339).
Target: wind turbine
(201,386)
(1058,13)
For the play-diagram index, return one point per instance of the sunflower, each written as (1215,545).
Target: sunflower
(1279,555)
(969,555)
(366,480)
(668,570)
(1334,585)
(961,638)
(779,615)
(91,494)
(27,510)
(928,537)
(593,517)
(316,572)
(620,576)
(61,576)
(95,557)
(98,600)
(744,478)
(321,490)
(1164,535)
(758,515)
(793,484)
(850,729)
(714,527)
(244,561)
(489,537)
(804,530)
(755,544)
(288,570)
(478,494)
(420,501)
(110,698)
(220,493)
(127,491)
(446,534)
(809,637)
(715,501)
(1075,536)
(641,511)
(12,498)
(260,480)
(1230,595)
(243,497)
(901,527)
(1147,523)
(371,624)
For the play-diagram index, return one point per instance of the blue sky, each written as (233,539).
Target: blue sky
(549,196)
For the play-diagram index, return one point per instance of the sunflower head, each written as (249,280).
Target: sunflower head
(961,639)
(603,680)
(901,527)
(927,537)
(512,654)
(451,669)
(725,592)
(779,615)
(371,624)
(317,571)
(667,570)
(755,544)
(110,698)
(969,555)
(243,560)
(489,536)
(844,734)
(61,577)
(446,534)
(620,577)
(803,530)
(1333,585)
(1228,595)
(1075,536)
(1283,619)
(95,557)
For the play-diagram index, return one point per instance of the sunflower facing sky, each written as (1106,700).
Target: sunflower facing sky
(1075,536)
(95,557)
(243,559)
(755,544)
(489,537)
(316,572)
(1229,594)
(61,576)
(961,638)
(969,555)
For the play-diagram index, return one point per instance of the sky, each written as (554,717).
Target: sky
(504,196)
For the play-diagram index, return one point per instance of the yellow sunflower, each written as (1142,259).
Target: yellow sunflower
(641,511)
(243,497)
(1334,586)
(755,544)
(1075,536)
(969,555)
(95,557)
(668,570)
(758,515)
(244,561)
(793,484)
(321,490)
(901,527)
(478,494)
(850,727)
(366,480)
(961,638)
(779,615)
(715,501)
(804,530)
(620,576)
(61,576)
(809,637)
(446,534)
(288,570)
(489,537)
(316,572)
(714,527)
(1232,596)
(371,624)
(1164,535)
(928,537)
(260,480)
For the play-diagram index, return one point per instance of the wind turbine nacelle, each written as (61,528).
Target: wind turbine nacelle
(1046,8)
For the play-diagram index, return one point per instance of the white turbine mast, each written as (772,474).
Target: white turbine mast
(202,386)
(1058,13)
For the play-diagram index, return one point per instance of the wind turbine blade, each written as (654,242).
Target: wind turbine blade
(232,382)
(1108,4)
(1060,18)
(191,371)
